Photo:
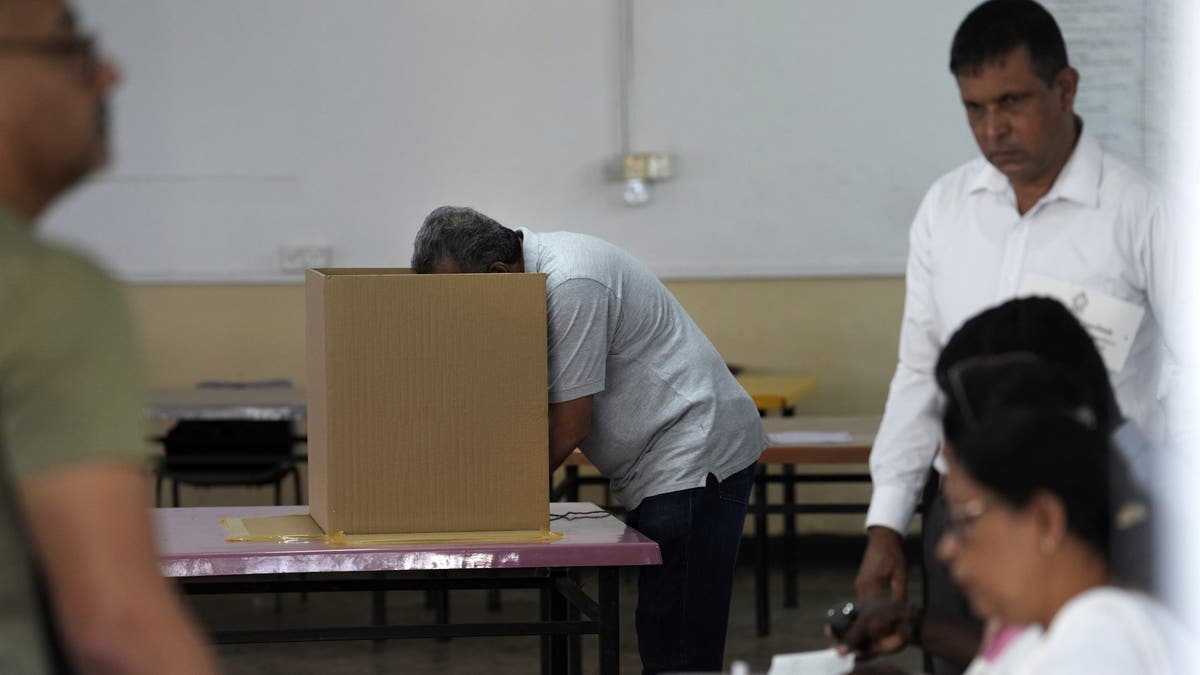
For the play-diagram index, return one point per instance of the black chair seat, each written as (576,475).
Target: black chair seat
(229,474)
(209,453)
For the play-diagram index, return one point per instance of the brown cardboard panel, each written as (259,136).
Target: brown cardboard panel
(434,402)
(318,430)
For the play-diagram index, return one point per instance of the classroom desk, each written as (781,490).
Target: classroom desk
(192,548)
(215,404)
(777,392)
(788,456)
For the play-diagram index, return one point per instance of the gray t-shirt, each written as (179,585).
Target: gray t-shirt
(666,411)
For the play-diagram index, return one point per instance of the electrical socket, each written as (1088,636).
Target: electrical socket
(297,258)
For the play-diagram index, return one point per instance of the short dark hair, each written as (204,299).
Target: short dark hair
(466,237)
(1018,452)
(997,27)
(1044,328)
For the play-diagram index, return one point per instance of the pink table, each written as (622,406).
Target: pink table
(192,548)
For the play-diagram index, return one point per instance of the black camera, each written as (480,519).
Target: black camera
(839,618)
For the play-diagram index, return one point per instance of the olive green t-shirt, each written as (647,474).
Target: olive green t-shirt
(70,393)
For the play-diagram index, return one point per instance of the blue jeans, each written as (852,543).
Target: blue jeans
(683,604)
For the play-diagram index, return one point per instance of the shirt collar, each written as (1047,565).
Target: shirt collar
(1079,180)
(531,250)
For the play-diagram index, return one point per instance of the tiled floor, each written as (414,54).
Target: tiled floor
(794,629)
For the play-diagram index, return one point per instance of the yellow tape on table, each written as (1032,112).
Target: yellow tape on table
(302,528)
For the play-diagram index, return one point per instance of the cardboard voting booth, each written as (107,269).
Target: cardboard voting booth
(427,403)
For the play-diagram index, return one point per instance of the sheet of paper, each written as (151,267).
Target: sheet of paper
(1110,321)
(810,438)
(825,662)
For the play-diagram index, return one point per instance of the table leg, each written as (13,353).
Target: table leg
(575,640)
(558,613)
(572,480)
(762,600)
(610,617)
(789,537)
(544,615)
(441,609)
(378,612)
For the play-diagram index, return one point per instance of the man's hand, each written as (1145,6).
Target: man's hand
(884,626)
(883,570)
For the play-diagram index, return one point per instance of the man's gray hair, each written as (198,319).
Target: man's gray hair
(466,237)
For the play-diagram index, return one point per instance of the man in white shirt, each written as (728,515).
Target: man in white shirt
(1045,211)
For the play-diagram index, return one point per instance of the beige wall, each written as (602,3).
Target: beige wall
(842,331)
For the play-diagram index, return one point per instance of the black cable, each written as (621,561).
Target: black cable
(580,515)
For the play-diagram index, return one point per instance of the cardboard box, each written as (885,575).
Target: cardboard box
(426,401)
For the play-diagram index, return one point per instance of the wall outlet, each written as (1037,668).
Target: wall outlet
(295,259)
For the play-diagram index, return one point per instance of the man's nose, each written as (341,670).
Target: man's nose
(995,124)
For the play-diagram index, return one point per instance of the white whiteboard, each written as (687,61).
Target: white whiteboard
(806,131)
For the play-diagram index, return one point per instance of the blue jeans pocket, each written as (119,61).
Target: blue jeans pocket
(736,488)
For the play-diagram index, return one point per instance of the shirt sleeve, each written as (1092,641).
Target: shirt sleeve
(579,328)
(1161,258)
(70,391)
(910,433)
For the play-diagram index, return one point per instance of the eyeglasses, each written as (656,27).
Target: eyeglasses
(961,520)
(84,48)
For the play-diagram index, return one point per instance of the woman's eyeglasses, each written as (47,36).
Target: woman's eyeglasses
(961,520)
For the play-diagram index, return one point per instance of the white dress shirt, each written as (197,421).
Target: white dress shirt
(1108,630)
(1101,226)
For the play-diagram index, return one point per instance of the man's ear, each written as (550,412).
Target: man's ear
(499,267)
(1068,84)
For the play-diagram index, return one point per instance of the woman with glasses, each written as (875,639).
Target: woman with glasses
(1031,515)
(1034,498)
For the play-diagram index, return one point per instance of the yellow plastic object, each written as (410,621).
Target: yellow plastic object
(777,392)
(302,528)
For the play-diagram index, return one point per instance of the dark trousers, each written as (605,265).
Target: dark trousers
(683,604)
(941,593)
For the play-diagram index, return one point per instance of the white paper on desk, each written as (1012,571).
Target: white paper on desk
(810,438)
(824,662)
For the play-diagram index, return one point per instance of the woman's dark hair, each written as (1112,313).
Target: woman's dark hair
(977,386)
(1042,327)
(1020,425)
(1018,452)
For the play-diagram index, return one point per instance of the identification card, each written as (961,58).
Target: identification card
(1110,321)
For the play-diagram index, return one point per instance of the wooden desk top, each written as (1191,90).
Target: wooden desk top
(862,430)
(772,392)
(265,404)
(192,543)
